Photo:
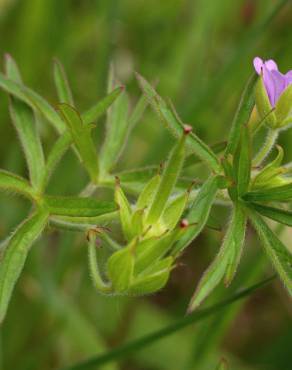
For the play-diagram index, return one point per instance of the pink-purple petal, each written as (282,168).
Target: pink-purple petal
(258,64)
(271,65)
(275,82)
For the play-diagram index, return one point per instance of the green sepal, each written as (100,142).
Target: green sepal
(263,104)
(120,268)
(198,213)
(81,135)
(145,198)
(269,172)
(283,108)
(151,250)
(125,211)
(174,210)
(154,279)
(167,182)
(137,224)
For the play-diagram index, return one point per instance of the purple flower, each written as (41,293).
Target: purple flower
(275,82)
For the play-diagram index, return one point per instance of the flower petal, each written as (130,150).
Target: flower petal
(288,78)
(275,84)
(258,64)
(271,65)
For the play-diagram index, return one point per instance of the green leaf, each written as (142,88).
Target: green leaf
(167,182)
(78,207)
(263,104)
(280,215)
(124,210)
(283,108)
(126,349)
(226,260)
(15,255)
(199,213)
(242,115)
(32,99)
(154,280)
(117,129)
(193,160)
(243,164)
(165,114)
(59,149)
(62,84)
(277,193)
(279,255)
(236,243)
(17,184)
(100,108)
(81,136)
(24,122)
(120,268)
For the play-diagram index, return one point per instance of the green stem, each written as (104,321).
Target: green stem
(98,282)
(271,138)
(138,344)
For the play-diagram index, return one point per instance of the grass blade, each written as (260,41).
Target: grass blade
(128,348)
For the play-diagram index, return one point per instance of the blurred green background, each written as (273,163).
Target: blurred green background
(200,53)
